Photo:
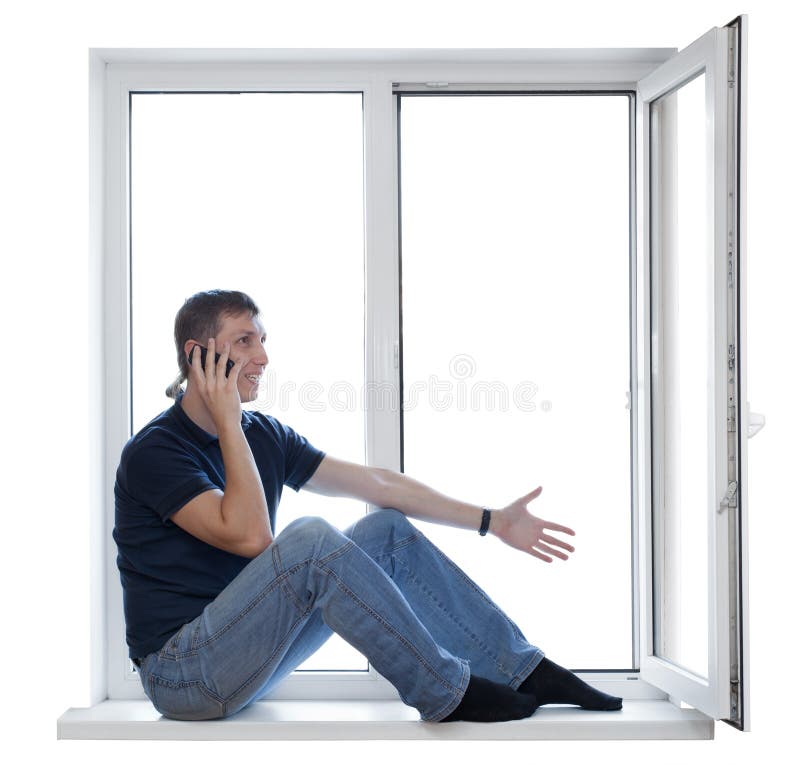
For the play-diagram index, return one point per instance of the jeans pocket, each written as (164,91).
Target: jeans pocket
(175,646)
(184,700)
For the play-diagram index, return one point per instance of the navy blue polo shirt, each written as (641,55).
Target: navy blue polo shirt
(169,576)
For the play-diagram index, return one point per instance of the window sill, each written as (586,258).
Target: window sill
(380,720)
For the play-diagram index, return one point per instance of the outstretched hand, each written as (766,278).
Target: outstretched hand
(520,529)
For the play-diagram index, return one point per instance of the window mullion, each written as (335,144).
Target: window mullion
(382,375)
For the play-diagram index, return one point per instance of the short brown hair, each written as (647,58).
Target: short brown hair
(201,316)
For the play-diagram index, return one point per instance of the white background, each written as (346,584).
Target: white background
(45,278)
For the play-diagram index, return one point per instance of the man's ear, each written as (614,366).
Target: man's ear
(187,349)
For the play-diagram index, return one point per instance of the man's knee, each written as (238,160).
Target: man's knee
(310,537)
(387,525)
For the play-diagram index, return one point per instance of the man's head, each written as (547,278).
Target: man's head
(227,316)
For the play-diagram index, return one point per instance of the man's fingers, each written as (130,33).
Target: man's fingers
(556,527)
(538,555)
(550,551)
(557,542)
(233,375)
(535,493)
(197,365)
(210,367)
(223,360)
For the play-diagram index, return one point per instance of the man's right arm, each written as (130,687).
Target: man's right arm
(236,520)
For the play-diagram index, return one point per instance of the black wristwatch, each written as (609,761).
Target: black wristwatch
(485,521)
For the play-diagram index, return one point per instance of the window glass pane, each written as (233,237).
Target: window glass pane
(680,186)
(261,192)
(515,276)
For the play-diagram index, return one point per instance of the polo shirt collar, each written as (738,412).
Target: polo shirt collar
(198,434)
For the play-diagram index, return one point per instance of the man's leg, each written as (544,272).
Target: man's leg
(496,642)
(458,614)
(308,641)
(227,656)
(463,619)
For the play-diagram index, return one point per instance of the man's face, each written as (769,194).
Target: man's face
(246,335)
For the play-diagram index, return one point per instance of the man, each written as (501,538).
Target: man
(219,611)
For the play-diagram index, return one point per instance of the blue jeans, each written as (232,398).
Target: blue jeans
(381,585)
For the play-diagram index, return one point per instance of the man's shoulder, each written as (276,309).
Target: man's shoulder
(265,427)
(262,421)
(162,429)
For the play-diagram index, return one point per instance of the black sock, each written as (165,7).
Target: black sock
(551,684)
(485,701)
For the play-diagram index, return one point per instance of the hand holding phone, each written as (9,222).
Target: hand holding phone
(203,355)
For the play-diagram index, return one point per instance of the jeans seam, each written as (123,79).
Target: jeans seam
(478,591)
(390,629)
(514,677)
(277,650)
(284,575)
(475,639)
(337,553)
(155,681)
(405,542)
(456,700)
(166,655)
(274,584)
(525,671)
(278,581)
(282,581)
(228,625)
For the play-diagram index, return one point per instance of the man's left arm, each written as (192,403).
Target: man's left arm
(513,524)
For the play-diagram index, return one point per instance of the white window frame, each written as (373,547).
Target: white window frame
(723,694)
(378,75)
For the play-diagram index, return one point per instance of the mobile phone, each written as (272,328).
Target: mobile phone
(203,356)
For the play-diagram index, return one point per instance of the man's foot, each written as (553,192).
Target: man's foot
(486,701)
(552,684)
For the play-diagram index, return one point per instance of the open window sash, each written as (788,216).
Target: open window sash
(691,381)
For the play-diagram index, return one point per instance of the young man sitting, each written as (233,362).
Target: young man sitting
(219,611)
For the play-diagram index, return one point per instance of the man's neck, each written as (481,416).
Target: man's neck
(196,410)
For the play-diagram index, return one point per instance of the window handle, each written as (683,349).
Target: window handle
(755,422)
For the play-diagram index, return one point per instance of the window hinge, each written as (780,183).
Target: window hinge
(437,84)
(397,355)
(729,500)
(731,58)
(734,700)
(731,380)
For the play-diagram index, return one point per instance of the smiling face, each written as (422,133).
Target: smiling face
(246,335)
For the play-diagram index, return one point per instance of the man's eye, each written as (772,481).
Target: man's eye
(244,339)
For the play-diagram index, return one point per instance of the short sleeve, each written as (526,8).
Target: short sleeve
(302,459)
(163,477)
